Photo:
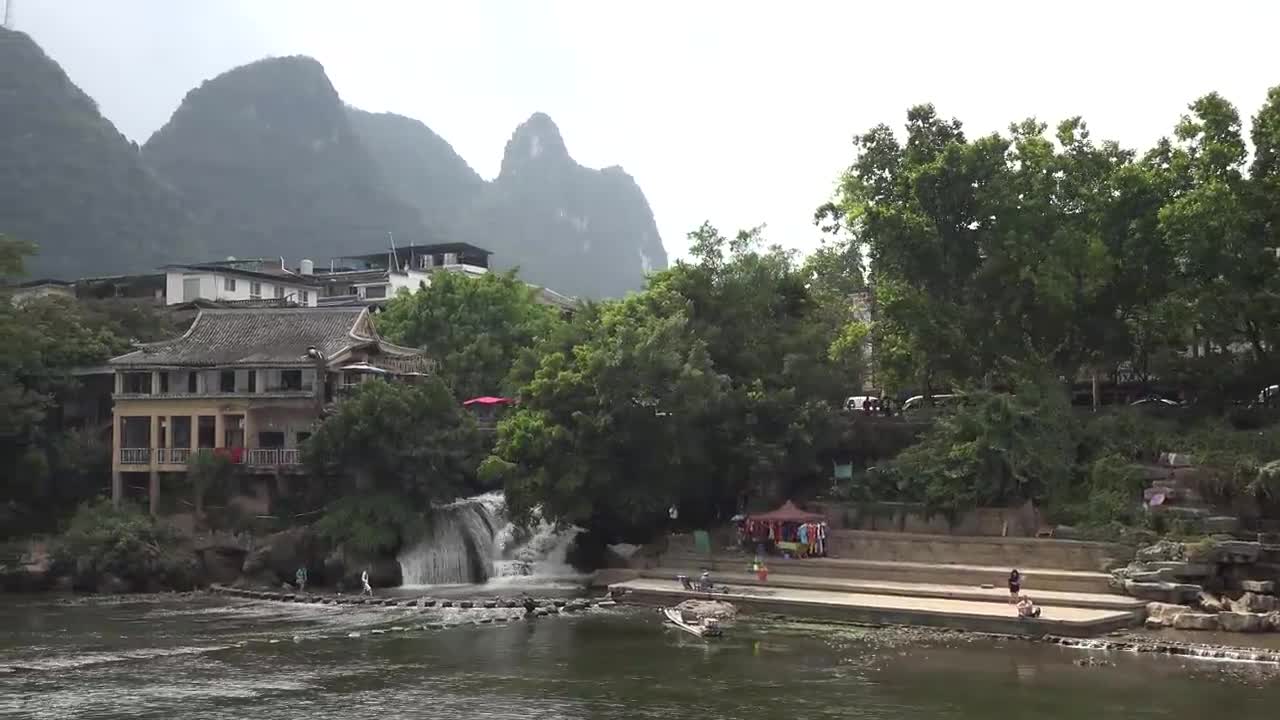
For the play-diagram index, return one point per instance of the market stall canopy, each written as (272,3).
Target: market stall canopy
(788,513)
(487,401)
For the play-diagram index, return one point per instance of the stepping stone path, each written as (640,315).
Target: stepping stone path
(543,608)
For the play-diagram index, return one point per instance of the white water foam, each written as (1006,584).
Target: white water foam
(472,541)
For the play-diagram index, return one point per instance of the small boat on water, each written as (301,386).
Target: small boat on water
(709,627)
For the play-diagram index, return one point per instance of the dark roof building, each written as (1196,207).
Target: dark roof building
(275,337)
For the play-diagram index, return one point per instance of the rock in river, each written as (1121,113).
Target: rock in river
(1196,621)
(1242,622)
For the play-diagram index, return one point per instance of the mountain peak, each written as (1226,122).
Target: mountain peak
(536,140)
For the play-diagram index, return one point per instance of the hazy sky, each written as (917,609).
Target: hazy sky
(738,111)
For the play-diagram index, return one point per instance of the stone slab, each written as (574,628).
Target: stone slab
(991,593)
(976,616)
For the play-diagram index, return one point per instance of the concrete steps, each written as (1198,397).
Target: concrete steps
(935,573)
(999,594)
(964,614)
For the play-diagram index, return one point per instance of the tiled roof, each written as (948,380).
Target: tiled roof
(277,336)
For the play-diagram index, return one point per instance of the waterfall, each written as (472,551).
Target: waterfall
(472,541)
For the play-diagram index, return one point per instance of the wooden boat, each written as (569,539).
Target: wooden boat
(707,628)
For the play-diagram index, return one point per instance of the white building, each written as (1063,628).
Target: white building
(239,280)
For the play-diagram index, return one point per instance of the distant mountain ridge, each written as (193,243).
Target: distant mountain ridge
(265,159)
(70,182)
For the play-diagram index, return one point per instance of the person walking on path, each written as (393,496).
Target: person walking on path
(364,580)
(301,578)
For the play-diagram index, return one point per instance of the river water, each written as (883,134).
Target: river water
(207,657)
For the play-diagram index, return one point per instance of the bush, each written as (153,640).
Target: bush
(370,525)
(102,543)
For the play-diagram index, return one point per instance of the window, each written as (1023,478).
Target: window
(279,292)
(138,383)
(164,383)
(229,284)
(193,383)
(271,439)
(253,381)
(206,431)
(302,437)
(227,381)
(290,379)
(375,292)
(306,297)
(255,289)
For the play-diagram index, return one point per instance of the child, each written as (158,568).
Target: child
(1015,586)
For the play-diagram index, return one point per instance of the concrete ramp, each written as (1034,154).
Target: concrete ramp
(974,615)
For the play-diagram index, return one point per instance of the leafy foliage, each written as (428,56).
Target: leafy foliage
(370,524)
(474,327)
(412,441)
(126,543)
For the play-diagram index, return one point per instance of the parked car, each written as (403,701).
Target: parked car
(1155,400)
(861,403)
(916,402)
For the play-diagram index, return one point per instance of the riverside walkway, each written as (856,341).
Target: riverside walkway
(937,606)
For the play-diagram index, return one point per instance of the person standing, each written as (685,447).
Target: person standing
(301,578)
(364,580)
(1015,586)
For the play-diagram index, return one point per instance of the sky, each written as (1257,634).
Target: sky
(740,112)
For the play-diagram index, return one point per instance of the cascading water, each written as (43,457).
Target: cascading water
(472,541)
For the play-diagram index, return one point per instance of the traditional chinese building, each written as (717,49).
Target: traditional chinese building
(249,384)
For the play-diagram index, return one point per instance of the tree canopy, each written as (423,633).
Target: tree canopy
(473,326)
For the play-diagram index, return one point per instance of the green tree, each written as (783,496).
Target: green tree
(613,425)
(413,441)
(472,326)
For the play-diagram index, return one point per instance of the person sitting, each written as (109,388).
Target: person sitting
(704,581)
(1027,608)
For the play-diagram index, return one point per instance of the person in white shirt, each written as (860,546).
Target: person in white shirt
(364,580)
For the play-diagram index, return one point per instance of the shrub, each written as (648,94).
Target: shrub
(103,541)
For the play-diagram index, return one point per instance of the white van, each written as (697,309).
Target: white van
(916,402)
(855,403)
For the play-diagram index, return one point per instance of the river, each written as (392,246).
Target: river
(208,657)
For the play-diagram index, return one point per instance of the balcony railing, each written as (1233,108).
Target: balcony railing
(255,457)
(135,456)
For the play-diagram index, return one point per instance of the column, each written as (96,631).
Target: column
(117,478)
(194,440)
(153,491)
(168,432)
(249,441)
(219,429)
(153,440)
(155,382)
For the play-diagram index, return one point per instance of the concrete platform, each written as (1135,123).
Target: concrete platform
(998,594)
(972,615)
(1033,579)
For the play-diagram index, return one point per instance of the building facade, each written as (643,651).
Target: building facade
(249,384)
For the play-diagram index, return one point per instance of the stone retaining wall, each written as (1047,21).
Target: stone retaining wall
(542,607)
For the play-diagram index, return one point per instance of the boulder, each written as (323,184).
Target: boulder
(1241,621)
(1261,587)
(1255,603)
(1164,592)
(1273,621)
(1211,603)
(112,585)
(1164,614)
(280,555)
(1196,621)
(697,610)
(1181,569)
(1165,550)
(222,564)
(344,567)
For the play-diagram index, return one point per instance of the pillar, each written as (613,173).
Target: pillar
(248,430)
(155,382)
(153,491)
(168,432)
(219,430)
(153,440)
(117,478)
(195,433)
